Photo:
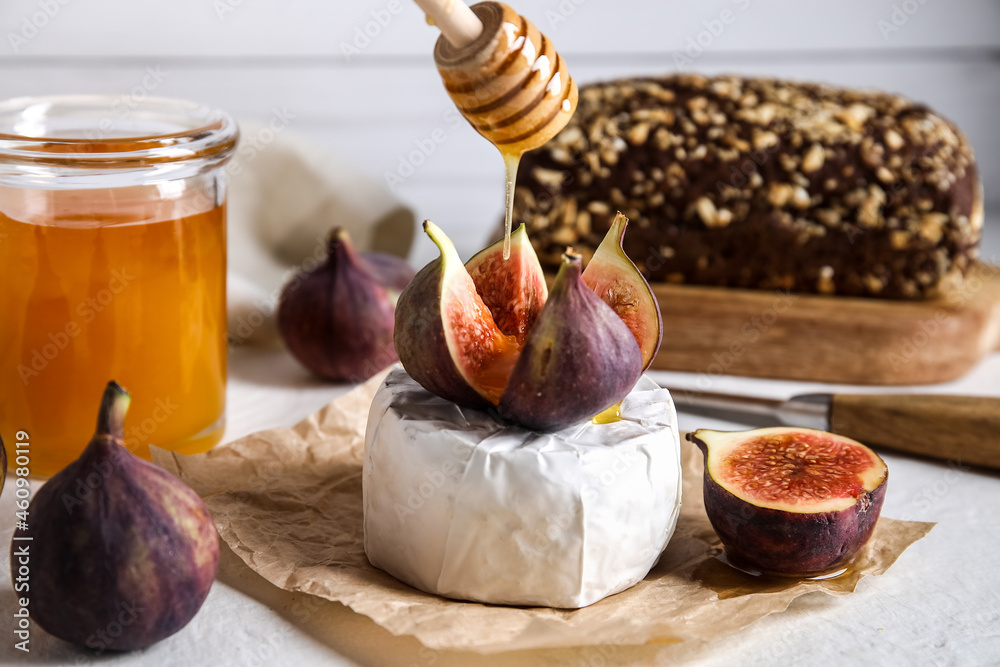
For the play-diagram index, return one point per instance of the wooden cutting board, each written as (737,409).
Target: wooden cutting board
(722,331)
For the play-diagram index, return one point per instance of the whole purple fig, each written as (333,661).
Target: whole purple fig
(337,319)
(117,553)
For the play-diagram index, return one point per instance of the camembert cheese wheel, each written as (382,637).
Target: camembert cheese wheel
(461,505)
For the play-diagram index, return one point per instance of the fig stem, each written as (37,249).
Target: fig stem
(570,269)
(337,236)
(571,259)
(449,256)
(114,405)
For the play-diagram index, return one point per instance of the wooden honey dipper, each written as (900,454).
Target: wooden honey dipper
(505,77)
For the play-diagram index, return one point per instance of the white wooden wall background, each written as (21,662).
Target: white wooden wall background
(257,58)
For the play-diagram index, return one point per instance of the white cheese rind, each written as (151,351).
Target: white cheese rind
(463,506)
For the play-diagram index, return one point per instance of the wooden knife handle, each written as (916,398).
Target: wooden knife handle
(964,429)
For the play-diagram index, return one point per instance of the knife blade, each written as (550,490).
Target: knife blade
(963,429)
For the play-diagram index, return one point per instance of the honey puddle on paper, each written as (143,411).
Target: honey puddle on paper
(730,581)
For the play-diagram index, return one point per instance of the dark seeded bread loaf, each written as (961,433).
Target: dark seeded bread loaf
(760,183)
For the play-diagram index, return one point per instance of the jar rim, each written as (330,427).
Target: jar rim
(108,131)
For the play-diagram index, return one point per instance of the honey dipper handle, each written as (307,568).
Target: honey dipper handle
(457,22)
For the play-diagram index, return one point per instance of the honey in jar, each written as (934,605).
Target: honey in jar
(112,267)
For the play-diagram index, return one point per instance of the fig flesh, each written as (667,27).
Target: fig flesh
(337,319)
(445,335)
(513,289)
(617,280)
(487,334)
(791,501)
(122,552)
(579,348)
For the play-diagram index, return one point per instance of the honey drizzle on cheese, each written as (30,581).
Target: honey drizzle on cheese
(609,416)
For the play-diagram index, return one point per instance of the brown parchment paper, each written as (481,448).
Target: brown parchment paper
(288,502)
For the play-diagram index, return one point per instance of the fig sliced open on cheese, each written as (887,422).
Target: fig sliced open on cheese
(488,333)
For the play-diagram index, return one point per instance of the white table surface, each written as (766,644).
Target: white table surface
(938,605)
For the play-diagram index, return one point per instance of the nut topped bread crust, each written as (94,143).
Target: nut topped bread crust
(759,183)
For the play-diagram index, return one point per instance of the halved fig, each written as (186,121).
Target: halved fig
(791,501)
(513,289)
(579,358)
(617,280)
(445,335)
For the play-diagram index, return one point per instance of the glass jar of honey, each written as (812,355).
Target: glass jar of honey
(112,267)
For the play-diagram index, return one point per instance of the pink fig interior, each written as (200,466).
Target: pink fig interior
(794,470)
(501,302)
